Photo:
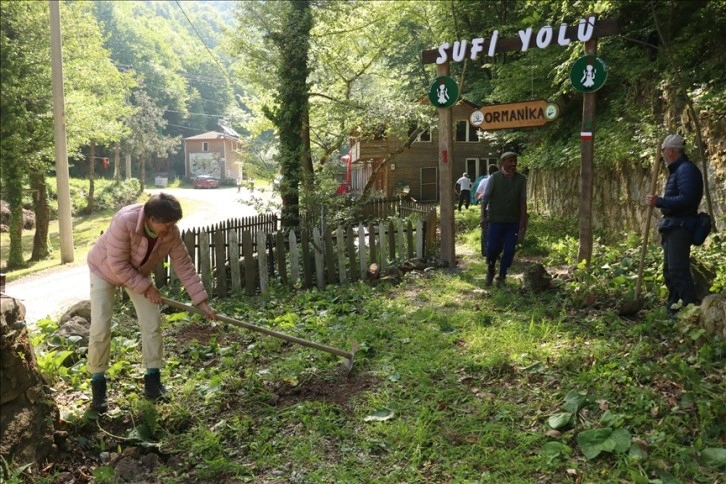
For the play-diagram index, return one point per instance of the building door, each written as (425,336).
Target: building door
(472,168)
(429,184)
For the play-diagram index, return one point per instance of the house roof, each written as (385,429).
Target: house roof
(228,133)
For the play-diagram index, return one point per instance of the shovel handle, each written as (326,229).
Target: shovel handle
(259,329)
(649,214)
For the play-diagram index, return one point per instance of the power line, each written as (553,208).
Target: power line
(214,58)
(183,127)
(197,114)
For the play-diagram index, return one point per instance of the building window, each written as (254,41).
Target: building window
(425,136)
(465,132)
(205,146)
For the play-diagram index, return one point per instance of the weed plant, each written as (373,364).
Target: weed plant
(454,381)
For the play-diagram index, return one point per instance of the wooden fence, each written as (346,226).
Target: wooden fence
(307,258)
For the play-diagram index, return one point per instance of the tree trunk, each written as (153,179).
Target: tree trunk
(41,208)
(142,176)
(14,193)
(117,163)
(91,176)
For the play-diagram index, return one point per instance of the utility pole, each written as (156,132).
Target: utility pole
(65,223)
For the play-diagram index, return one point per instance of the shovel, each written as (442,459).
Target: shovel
(347,364)
(632,307)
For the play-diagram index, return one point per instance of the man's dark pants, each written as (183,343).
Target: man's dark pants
(676,245)
(501,239)
(464,198)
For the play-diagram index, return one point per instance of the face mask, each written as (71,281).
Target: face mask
(150,232)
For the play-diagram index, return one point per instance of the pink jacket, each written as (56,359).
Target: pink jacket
(116,257)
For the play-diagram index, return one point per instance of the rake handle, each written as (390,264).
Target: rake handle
(259,329)
(649,214)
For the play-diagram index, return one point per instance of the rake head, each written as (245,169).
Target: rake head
(346,366)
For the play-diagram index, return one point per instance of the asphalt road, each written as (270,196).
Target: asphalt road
(51,292)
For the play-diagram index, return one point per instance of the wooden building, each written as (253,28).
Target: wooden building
(415,171)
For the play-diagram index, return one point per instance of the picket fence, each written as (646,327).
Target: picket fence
(304,258)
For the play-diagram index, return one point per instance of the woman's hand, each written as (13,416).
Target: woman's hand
(209,313)
(153,294)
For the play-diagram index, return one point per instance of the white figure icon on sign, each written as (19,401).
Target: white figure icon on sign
(588,76)
(443,94)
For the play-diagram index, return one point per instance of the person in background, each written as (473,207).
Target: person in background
(139,237)
(679,205)
(503,215)
(239,184)
(491,169)
(464,190)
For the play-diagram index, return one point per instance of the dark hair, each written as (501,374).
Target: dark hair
(164,208)
(493,169)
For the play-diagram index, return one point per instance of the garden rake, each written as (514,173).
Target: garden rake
(346,365)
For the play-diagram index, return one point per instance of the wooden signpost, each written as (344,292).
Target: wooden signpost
(514,115)
(587,31)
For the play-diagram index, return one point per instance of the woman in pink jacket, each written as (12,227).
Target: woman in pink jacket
(139,238)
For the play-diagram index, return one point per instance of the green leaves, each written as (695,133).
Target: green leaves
(561,420)
(593,442)
(714,457)
(610,438)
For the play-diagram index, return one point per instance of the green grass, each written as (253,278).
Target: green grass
(454,382)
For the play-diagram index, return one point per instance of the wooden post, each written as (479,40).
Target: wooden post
(250,269)
(307,263)
(220,256)
(383,263)
(350,246)
(329,259)
(234,262)
(419,239)
(205,262)
(340,243)
(319,258)
(294,259)
(586,168)
(280,256)
(262,261)
(446,178)
(362,253)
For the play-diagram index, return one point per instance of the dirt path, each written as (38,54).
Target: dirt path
(51,292)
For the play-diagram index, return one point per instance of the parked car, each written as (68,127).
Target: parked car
(205,181)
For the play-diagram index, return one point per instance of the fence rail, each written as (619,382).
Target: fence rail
(247,255)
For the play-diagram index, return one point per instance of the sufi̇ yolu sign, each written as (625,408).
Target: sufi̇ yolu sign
(514,115)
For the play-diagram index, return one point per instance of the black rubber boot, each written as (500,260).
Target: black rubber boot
(153,389)
(98,390)
(490,275)
(500,281)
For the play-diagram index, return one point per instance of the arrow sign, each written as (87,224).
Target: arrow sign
(514,115)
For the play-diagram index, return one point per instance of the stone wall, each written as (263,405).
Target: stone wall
(618,195)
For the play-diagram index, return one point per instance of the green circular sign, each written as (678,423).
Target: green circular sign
(552,111)
(588,73)
(444,92)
